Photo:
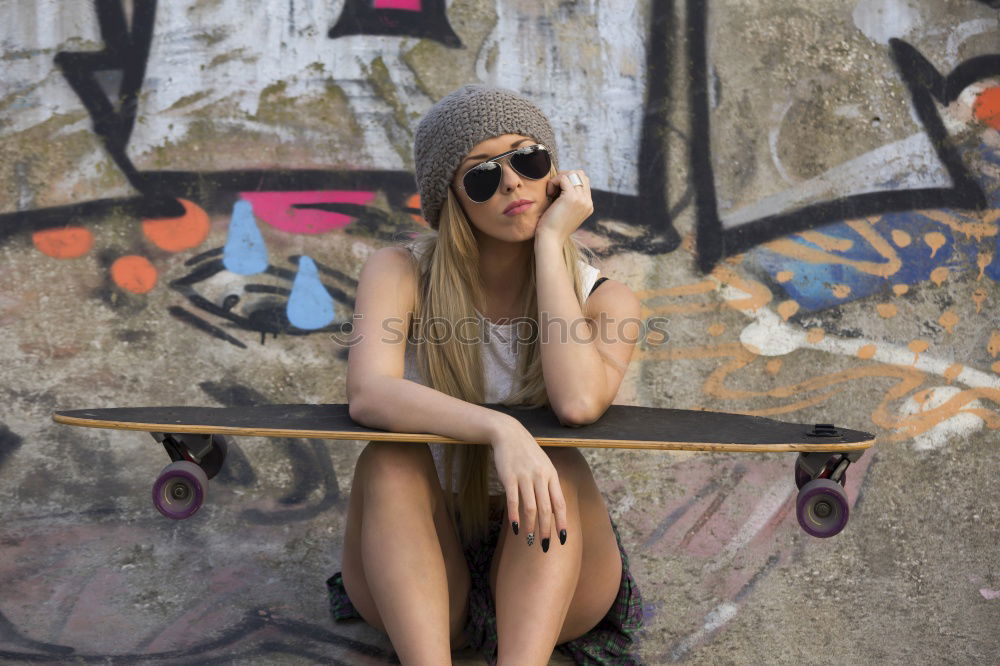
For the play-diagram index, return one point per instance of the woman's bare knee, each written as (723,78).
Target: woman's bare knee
(390,466)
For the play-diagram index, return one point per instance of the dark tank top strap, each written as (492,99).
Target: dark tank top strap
(596,285)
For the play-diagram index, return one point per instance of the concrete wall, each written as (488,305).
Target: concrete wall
(808,191)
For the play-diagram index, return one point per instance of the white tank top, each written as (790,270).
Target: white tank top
(499,369)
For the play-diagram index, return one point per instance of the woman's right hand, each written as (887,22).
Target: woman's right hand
(530,481)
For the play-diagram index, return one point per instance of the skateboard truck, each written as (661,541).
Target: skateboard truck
(188,446)
(180,489)
(822,508)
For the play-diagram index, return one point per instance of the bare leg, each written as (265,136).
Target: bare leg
(534,589)
(398,539)
(544,599)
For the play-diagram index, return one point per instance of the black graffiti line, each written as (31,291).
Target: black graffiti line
(715,242)
(653,158)
(162,188)
(194,320)
(185,286)
(99,209)
(126,50)
(361,17)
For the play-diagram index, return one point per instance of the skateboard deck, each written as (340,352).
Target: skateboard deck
(194,438)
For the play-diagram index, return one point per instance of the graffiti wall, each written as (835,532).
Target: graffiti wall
(808,192)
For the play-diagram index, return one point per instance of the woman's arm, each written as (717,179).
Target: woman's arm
(582,383)
(377,395)
(583,362)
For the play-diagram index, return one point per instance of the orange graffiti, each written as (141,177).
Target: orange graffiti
(948,319)
(939,275)
(979,297)
(704,287)
(996,367)
(935,240)
(983,260)
(787,308)
(134,273)
(900,238)
(918,347)
(953,371)
(866,352)
(907,382)
(759,296)
(175,234)
(977,224)
(773,366)
(886,310)
(815,335)
(828,243)
(784,276)
(915,424)
(841,290)
(67,243)
(993,346)
(987,107)
(863,228)
(900,289)
(414,202)
(716,329)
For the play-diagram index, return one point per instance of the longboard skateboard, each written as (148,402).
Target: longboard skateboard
(194,438)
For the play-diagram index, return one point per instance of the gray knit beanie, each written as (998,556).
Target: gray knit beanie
(460,120)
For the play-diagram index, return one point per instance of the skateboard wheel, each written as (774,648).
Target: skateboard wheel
(212,462)
(822,508)
(802,476)
(179,490)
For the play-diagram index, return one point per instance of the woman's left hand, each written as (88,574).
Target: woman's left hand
(572,205)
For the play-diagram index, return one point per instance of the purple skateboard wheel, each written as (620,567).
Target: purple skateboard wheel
(822,508)
(179,490)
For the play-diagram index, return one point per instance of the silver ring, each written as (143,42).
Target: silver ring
(576,180)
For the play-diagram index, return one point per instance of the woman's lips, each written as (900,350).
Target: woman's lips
(517,208)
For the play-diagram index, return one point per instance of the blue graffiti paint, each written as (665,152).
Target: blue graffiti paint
(310,306)
(992,269)
(991,155)
(811,286)
(245,252)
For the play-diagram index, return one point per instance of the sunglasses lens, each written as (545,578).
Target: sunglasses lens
(533,162)
(481,182)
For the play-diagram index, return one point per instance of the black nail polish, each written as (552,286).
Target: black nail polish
(545,545)
(514,525)
(562,537)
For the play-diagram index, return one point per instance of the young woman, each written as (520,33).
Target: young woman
(433,344)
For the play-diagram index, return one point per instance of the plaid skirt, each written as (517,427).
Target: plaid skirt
(610,642)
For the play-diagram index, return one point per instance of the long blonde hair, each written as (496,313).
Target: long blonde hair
(450,288)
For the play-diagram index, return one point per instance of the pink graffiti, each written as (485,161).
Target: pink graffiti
(276,208)
(409,5)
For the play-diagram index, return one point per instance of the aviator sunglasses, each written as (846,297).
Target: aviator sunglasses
(482,181)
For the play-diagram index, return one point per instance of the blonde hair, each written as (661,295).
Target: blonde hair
(450,288)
